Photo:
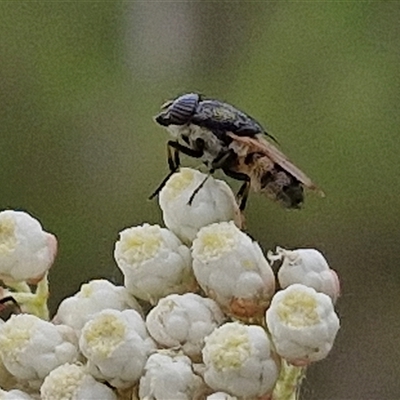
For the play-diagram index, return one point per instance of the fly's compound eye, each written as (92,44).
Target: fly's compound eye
(179,111)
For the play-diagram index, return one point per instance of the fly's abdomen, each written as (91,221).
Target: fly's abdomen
(280,186)
(269,178)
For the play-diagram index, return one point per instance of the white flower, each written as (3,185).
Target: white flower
(93,297)
(308,267)
(117,345)
(231,268)
(71,381)
(239,361)
(169,376)
(214,202)
(30,348)
(221,396)
(154,262)
(14,395)
(26,251)
(303,324)
(183,321)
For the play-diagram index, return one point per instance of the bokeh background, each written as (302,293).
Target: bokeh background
(81,81)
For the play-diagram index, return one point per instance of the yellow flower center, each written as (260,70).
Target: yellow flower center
(105,334)
(217,240)
(231,349)
(298,309)
(179,182)
(138,245)
(8,241)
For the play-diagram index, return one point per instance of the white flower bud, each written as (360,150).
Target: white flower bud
(183,321)
(169,376)
(303,324)
(93,297)
(14,395)
(30,348)
(154,262)
(239,360)
(231,268)
(214,202)
(221,396)
(71,381)
(26,251)
(308,267)
(117,345)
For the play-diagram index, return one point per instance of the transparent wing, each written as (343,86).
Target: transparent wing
(260,145)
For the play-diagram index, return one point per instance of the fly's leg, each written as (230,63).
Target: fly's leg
(195,191)
(243,193)
(173,163)
(173,150)
(219,162)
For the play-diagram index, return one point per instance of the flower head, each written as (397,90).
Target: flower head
(303,324)
(92,298)
(30,348)
(231,268)
(26,251)
(154,262)
(116,344)
(169,376)
(214,202)
(239,360)
(183,321)
(308,267)
(72,381)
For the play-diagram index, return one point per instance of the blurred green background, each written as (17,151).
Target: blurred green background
(81,81)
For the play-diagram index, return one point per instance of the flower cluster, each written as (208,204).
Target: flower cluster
(201,314)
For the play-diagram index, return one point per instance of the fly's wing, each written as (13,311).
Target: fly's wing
(260,145)
(218,116)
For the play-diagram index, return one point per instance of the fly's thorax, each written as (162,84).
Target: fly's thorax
(212,145)
(199,138)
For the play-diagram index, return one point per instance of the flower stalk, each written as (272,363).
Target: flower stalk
(289,382)
(34,303)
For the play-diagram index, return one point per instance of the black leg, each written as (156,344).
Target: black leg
(185,150)
(195,191)
(173,163)
(177,160)
(242,190)
(173,150)
(223,159)
(162,184)
(173,159)
(216,164)
(243,193)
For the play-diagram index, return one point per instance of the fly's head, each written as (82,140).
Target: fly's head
(178,111)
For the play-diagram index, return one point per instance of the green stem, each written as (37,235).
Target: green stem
(289,381)
(20,287)
(33,303)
